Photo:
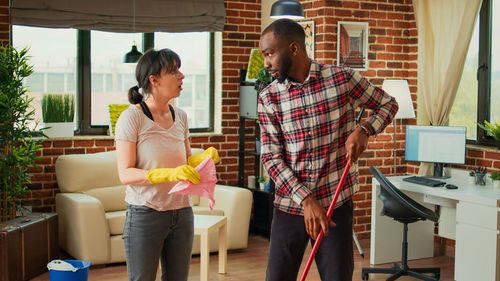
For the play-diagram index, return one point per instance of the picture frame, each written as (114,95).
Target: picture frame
(309,30)
(352,44)
(255,64)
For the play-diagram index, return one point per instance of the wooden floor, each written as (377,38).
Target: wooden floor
(250,265)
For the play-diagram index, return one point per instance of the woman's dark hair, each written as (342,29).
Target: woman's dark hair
(152,63)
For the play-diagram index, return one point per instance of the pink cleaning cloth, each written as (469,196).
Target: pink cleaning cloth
(205,188)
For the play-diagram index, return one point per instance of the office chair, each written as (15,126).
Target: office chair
(405,210)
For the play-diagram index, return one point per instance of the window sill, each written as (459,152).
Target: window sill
(482,148)
(103,137)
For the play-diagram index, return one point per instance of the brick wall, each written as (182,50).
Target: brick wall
(392,54)
(4,21)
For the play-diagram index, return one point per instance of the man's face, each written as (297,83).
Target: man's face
(277,59)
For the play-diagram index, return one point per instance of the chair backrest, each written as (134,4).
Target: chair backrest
(398,205)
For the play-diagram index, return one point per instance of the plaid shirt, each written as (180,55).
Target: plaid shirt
(304,128)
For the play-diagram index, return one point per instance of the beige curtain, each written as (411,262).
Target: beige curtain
(118,15)
(444,31)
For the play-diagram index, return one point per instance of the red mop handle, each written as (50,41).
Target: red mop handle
(328,215)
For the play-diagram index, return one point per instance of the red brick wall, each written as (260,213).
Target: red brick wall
(4,22)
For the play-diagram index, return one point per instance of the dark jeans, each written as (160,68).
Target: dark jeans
(151,235)
(334,257)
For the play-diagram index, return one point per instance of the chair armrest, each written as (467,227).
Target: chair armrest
(83,228)
(236,202)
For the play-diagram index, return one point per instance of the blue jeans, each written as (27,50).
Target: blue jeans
(151,235)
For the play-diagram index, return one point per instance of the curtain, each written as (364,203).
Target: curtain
(118,15)
(444,31)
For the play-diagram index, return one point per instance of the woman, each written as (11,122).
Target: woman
(152,149)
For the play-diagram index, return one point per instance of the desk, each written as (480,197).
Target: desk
(471,213)
(203,225)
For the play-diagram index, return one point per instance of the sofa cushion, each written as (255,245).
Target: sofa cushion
(116,221)
(203,210)
(79,172)
(111,197)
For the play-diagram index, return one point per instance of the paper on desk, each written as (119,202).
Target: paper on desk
(205,188)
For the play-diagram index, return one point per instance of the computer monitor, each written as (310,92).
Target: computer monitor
(436,144)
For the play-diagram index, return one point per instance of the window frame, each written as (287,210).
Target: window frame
(83,83)
(484,73)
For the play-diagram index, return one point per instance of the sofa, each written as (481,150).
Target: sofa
(92,209)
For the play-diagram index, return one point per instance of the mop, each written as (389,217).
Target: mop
(328,215)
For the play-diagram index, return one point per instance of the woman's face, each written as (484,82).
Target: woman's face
(169,83)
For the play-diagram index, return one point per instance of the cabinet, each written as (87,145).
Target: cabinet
(262,210)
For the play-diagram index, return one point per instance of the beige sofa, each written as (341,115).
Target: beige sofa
(91,209)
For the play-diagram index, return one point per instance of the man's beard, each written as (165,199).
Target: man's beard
(286,64)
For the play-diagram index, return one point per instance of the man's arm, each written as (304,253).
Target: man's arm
(384,108)
(272,155)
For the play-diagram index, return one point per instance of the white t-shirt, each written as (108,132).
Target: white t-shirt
(157,147)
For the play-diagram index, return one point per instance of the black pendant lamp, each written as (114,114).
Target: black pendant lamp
(134,55)
(289,9)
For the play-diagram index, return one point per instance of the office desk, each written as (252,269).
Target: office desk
(470,212)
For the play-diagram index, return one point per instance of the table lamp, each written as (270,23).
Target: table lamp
(400,90)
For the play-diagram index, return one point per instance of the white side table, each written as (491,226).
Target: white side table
(203,225)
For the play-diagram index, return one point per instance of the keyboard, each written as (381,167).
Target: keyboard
(424,181)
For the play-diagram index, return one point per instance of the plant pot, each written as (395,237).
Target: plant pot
(59,129)
(262,185)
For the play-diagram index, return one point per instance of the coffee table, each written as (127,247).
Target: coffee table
(203,225)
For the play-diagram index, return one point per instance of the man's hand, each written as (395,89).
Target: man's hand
(315,217)
(355,144)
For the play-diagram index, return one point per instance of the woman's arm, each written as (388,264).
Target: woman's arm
(188,148)
(126,157)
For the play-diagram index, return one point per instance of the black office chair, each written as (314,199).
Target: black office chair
(405,210)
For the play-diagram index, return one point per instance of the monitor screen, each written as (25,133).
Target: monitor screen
(437,144)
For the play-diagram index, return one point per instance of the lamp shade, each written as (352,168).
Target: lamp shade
(400,90)
(132,56)
(289,9)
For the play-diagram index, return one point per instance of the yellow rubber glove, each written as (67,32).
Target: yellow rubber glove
(184,172)
(195,160)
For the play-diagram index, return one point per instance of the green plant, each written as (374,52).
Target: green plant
(492,129)
(58,108)
(472,173)
(18,148)
(495,176)
(262,179)
(263,79)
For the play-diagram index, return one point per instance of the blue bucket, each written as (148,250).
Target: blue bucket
(68,270)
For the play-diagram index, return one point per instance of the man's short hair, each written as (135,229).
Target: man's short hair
(287,30)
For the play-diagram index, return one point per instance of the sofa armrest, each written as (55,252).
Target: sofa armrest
(83,228)
(236,202)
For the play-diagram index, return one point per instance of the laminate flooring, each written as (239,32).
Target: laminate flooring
(250,265)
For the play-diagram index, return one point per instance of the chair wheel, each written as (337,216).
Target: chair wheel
(364,276)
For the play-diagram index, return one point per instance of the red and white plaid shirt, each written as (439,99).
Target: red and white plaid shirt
(304,127)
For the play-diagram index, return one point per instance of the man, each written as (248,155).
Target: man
(307,119)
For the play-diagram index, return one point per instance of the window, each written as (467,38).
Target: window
(90,64)
(53,56)
(478,95)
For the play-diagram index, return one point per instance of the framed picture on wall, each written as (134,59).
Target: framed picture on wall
(309,30)
(352,44)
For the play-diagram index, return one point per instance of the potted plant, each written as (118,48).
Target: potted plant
(262,183)
(495,176)
(264,78)
(18,147)
(492,129)
(58,111)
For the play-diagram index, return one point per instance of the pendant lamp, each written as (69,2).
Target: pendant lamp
(289,9)
(134,55)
